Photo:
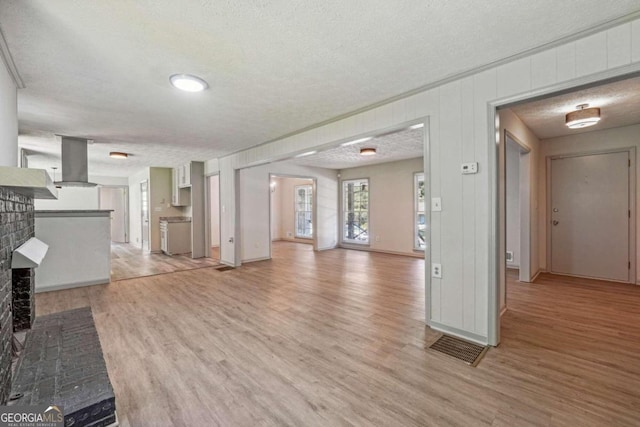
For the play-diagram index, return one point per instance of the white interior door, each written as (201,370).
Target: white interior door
(115,199)
(590,222)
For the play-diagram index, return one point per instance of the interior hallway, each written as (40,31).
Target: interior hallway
(129,261)
(337,337)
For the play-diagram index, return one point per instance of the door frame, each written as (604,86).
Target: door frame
(632,204)
(126,206)
(207,225)
(525,160)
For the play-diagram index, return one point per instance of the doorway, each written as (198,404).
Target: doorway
(116,200)
(583,194)
(590,211)
(144,214)
(213,224)
(292,209)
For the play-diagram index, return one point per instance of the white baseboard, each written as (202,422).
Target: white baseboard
(72,285)
(450,330)
(380,251)
(246,261)
(535,276)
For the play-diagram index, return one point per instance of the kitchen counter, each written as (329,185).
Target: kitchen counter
(172,219)
(79,237)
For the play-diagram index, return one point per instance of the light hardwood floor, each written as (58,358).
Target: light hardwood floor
(128,261)
(337,338)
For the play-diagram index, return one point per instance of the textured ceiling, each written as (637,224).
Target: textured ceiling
(406,144)
(100,69)
(619,104)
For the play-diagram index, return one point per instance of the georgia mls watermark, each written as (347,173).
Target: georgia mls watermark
(31,416)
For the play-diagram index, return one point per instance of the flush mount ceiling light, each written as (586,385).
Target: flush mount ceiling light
(188,83)
(418,126)
(367,151)
(357,141)
(118,155)
(582,117)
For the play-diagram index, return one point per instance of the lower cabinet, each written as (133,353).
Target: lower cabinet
(175,237)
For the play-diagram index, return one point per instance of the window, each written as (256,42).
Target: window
(355,211)
(420,220)
(304,211)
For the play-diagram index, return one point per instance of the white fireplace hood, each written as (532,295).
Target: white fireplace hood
(31,182)
(30,254)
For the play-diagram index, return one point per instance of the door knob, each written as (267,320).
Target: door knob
(555,222)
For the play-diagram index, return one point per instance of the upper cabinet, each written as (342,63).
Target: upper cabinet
(184,175)
(180,195)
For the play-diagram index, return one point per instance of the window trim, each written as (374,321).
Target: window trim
(308,187)
(416,247)
(344,240)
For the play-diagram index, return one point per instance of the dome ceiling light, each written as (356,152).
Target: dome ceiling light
(583,117)
(367,151)
(188,83)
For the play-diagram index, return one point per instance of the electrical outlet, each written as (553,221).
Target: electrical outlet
(436,271)
(289,234)
(377,238)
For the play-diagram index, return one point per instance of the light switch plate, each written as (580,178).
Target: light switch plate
(436,204)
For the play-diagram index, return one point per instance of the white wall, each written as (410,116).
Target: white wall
(283,209)
(255,207)
(276,209)
(622,137)
(214,206)
(8,118)
(79,198)
(391,204)
(458,132)
(513,203)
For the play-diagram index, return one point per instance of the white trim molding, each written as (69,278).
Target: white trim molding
(9,63)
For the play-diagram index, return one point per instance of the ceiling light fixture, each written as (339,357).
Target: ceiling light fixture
(188,83)
(357,141)
(582,117)
(308,153)
(367,151)
(118,155)
(418,126)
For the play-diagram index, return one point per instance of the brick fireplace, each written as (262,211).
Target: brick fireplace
(17,305)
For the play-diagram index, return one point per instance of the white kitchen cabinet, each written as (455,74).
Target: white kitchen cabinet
(179,196)
(175,237)
(184,175)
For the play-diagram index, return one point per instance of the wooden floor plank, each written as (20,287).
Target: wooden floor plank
(338,338)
